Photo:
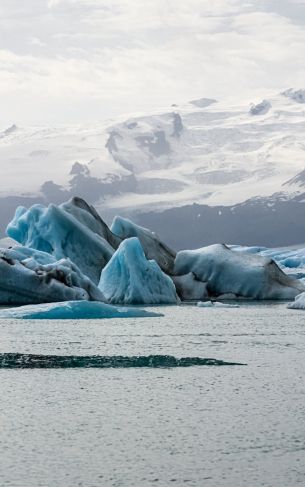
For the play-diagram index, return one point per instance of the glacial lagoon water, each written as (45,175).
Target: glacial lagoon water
(218,426)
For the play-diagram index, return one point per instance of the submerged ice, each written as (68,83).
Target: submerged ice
(130,278)
(80,310)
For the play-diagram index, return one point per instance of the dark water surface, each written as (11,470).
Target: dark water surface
(145,426)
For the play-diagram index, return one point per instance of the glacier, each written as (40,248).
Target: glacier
(129,278)
(58,232)
(244,275)
(153,247)
(30,276)
(80,310)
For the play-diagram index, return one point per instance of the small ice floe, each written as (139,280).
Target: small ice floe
(298,303)
(74,310)
(215,304)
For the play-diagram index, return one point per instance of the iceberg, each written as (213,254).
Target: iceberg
(290,260)
(129,278)
(153,247)
(298,303)
(56,231)
(80,310)
(227,271)
(88,216)
(31,276)
(189,288)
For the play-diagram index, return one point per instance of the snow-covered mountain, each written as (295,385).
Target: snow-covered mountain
(205,151)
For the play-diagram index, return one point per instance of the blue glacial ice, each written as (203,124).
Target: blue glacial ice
(80,310)
(31,276)
(290,260)
(245,275)
(88,216)
(153,247)
(129,278)
(58,232)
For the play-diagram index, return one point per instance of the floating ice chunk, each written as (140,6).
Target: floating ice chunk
(80,310)
(228,271)
(189,288)
(152,245)
(53,230)
(215,304)
(299,302)
(129,278)
(31,276)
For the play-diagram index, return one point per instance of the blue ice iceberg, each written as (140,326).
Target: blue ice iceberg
(80,310)
(31,276)
(153,247)
(56,231)
(129,278)
(290,260)
(246,275)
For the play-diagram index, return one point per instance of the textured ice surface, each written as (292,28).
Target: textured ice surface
(291,260)
(189,288)
(56,231)
(299,302)
(247,275)
(78,310)
(31,276)
(88,216)
(130,278)
(215,304)
(152,245)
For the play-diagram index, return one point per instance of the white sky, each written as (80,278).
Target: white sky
(64,61)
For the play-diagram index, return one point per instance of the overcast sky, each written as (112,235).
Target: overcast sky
(65,61)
